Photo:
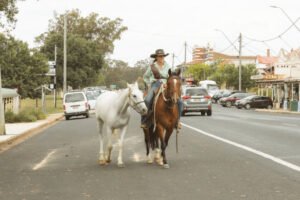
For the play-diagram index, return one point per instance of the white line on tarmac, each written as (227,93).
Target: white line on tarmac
(259,153)
(44,161)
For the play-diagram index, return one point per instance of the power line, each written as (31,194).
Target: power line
(276,37)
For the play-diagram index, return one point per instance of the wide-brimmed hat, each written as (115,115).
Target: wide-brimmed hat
(159,52)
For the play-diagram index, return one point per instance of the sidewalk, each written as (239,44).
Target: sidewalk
(16,131)
(277,111)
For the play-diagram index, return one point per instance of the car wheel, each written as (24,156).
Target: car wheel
(67,117)
(269,107)
(247,106)
(238,107)
(87,115)
(202,113)
(209,112)
(228,104)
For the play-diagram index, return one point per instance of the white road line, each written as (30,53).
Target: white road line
(44,161)
(259,153)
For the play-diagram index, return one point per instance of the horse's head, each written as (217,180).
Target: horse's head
(174,86)
(136,99)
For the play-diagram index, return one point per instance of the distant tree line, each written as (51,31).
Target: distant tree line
(224,74)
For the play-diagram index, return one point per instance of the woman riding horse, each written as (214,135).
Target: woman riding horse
(155,75)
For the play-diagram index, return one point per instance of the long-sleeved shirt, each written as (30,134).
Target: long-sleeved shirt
(149,77)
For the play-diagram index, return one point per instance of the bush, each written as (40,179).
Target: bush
(10,117)
(24,116)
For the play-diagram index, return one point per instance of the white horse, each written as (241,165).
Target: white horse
(112,109)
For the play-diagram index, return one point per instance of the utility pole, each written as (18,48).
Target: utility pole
(184,66)
(240,62)
(2,116)
(65,54)
(55,59)
(173,56)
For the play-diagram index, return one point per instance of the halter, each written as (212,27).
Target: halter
(134,106)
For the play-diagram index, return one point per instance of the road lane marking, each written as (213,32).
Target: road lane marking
(259,153)
(44,161)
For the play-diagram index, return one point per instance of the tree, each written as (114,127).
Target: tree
(199,71)
(90,40)
(8,11)
(21,68)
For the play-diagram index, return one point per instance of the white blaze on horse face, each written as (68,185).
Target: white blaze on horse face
(175,93)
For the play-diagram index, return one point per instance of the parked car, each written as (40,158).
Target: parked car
(230,101)
(75,104)
(91,98)
(215,98)
(196,99)
(255,101)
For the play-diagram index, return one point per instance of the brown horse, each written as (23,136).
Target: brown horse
(165,116)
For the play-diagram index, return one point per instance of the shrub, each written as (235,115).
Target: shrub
(24,116)
(10,117)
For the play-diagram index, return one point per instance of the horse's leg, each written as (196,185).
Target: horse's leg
(167,136)
(147,143)
(120,158)
(101,138)
(160,131)
(109,144)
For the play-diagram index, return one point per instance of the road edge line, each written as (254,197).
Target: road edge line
(249,149)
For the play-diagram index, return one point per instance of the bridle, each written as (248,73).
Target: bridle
(167,98)
(134,104)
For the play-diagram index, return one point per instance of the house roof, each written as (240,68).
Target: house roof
(9,93)
(269,60)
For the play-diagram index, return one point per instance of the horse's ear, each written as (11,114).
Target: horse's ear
(136,84)
(170,72)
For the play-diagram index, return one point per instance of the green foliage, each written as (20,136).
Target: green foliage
(21,68)
(223,74)
(199,71)
(8,11)
(24,116)
(119,73)
(89,40)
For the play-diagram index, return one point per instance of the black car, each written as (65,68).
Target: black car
(255,101)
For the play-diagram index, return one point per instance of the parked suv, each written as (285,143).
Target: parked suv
(196,99)
(255,101)
(75,104)
(230,101)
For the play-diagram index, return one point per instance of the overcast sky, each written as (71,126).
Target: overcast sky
(168,24)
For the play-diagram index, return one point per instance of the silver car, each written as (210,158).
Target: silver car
(196,99)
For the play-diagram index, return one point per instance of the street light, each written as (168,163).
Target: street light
(285,13)
(239,52)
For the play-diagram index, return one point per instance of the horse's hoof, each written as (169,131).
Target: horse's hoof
(108,161)
(102,162)
(122,165)
(166,166)
(150,161)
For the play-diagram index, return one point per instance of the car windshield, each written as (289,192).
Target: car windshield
(76,97)
(250,97)
(90,97)
(196,92)
(212,87)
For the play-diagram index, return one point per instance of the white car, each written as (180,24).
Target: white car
(75,104)
(91,100)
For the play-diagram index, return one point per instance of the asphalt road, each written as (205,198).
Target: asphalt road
(235,154)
